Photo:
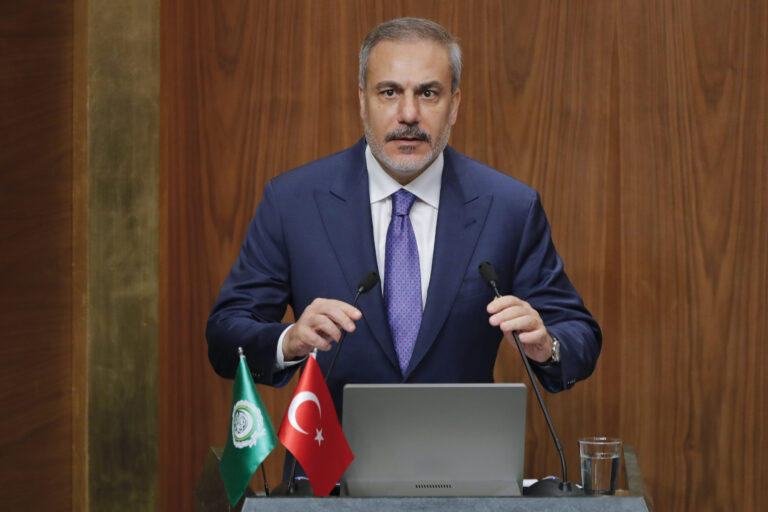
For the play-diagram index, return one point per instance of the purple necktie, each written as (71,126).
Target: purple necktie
(402,278)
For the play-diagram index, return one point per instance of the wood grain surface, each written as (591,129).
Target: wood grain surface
(643,124)
(36,288)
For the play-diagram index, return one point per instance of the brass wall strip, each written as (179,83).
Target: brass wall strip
(122,160)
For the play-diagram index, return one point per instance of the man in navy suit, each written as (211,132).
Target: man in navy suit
(319,228)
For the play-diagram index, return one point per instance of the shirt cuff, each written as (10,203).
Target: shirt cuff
(280,362)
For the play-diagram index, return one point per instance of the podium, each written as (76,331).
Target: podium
(210,496)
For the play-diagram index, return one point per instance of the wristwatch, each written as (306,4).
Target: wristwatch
(555,357)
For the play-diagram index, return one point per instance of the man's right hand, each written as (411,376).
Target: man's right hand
(319,325)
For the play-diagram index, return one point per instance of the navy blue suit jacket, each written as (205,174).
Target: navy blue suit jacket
(312,237)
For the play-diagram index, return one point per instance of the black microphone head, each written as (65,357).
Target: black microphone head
(368,281)
(487,272)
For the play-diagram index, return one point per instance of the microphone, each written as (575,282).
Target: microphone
(367,282)
(488,273)
(552,486)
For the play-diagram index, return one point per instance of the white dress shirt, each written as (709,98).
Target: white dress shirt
(423,216)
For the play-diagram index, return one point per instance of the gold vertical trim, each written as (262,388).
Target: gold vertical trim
(122,260)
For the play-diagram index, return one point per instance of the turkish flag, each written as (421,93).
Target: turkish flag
(312,433)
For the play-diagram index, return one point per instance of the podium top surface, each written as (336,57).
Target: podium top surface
(635,501)
(491,504)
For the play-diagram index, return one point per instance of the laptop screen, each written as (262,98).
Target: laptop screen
(434,439)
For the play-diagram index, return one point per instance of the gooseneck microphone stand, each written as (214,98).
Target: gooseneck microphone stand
(550,486)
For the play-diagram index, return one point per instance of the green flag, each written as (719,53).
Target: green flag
(251,435)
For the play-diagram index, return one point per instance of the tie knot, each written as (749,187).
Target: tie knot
(402,200)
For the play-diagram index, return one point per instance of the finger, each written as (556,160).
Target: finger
(348,309)
(301,340)
(508,314)
(340,312)
(343,317)
(521,324)
(325,327)
(310,339)
(537,337)
(500,303)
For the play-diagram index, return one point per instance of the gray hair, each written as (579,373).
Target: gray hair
(412,29)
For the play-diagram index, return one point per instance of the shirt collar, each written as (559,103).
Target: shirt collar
(426,186)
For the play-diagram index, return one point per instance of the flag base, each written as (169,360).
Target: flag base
(300,488)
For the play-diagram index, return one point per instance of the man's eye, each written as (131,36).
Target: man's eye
(389,93)
(429,94)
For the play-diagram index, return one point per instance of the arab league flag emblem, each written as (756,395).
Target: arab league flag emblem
(251,435)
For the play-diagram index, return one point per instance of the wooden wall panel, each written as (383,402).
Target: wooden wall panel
(644,125)
(36,288)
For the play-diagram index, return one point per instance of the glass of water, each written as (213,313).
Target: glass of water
(600,458)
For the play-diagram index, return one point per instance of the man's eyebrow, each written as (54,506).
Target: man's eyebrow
(389,84)
(434,84)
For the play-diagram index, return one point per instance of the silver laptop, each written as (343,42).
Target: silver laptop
(434,439)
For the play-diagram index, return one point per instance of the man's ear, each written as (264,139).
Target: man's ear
(455,100)
(361,97)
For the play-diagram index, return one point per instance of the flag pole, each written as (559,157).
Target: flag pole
(264,475)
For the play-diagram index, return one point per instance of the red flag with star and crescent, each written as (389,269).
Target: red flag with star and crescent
(312,433)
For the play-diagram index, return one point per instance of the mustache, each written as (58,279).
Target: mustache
(412,131)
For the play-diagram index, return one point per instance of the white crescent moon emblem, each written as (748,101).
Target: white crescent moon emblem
(300,398)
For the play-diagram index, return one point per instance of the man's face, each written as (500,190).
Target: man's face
(407,107)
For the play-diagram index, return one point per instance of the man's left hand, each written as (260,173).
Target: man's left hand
(510,313)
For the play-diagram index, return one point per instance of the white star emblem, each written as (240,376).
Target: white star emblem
(319,437)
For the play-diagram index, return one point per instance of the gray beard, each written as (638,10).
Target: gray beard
(405,169)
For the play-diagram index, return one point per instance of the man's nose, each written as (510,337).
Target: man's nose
(409,109)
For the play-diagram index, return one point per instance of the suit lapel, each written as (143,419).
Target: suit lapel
(345,210)
(460,220)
